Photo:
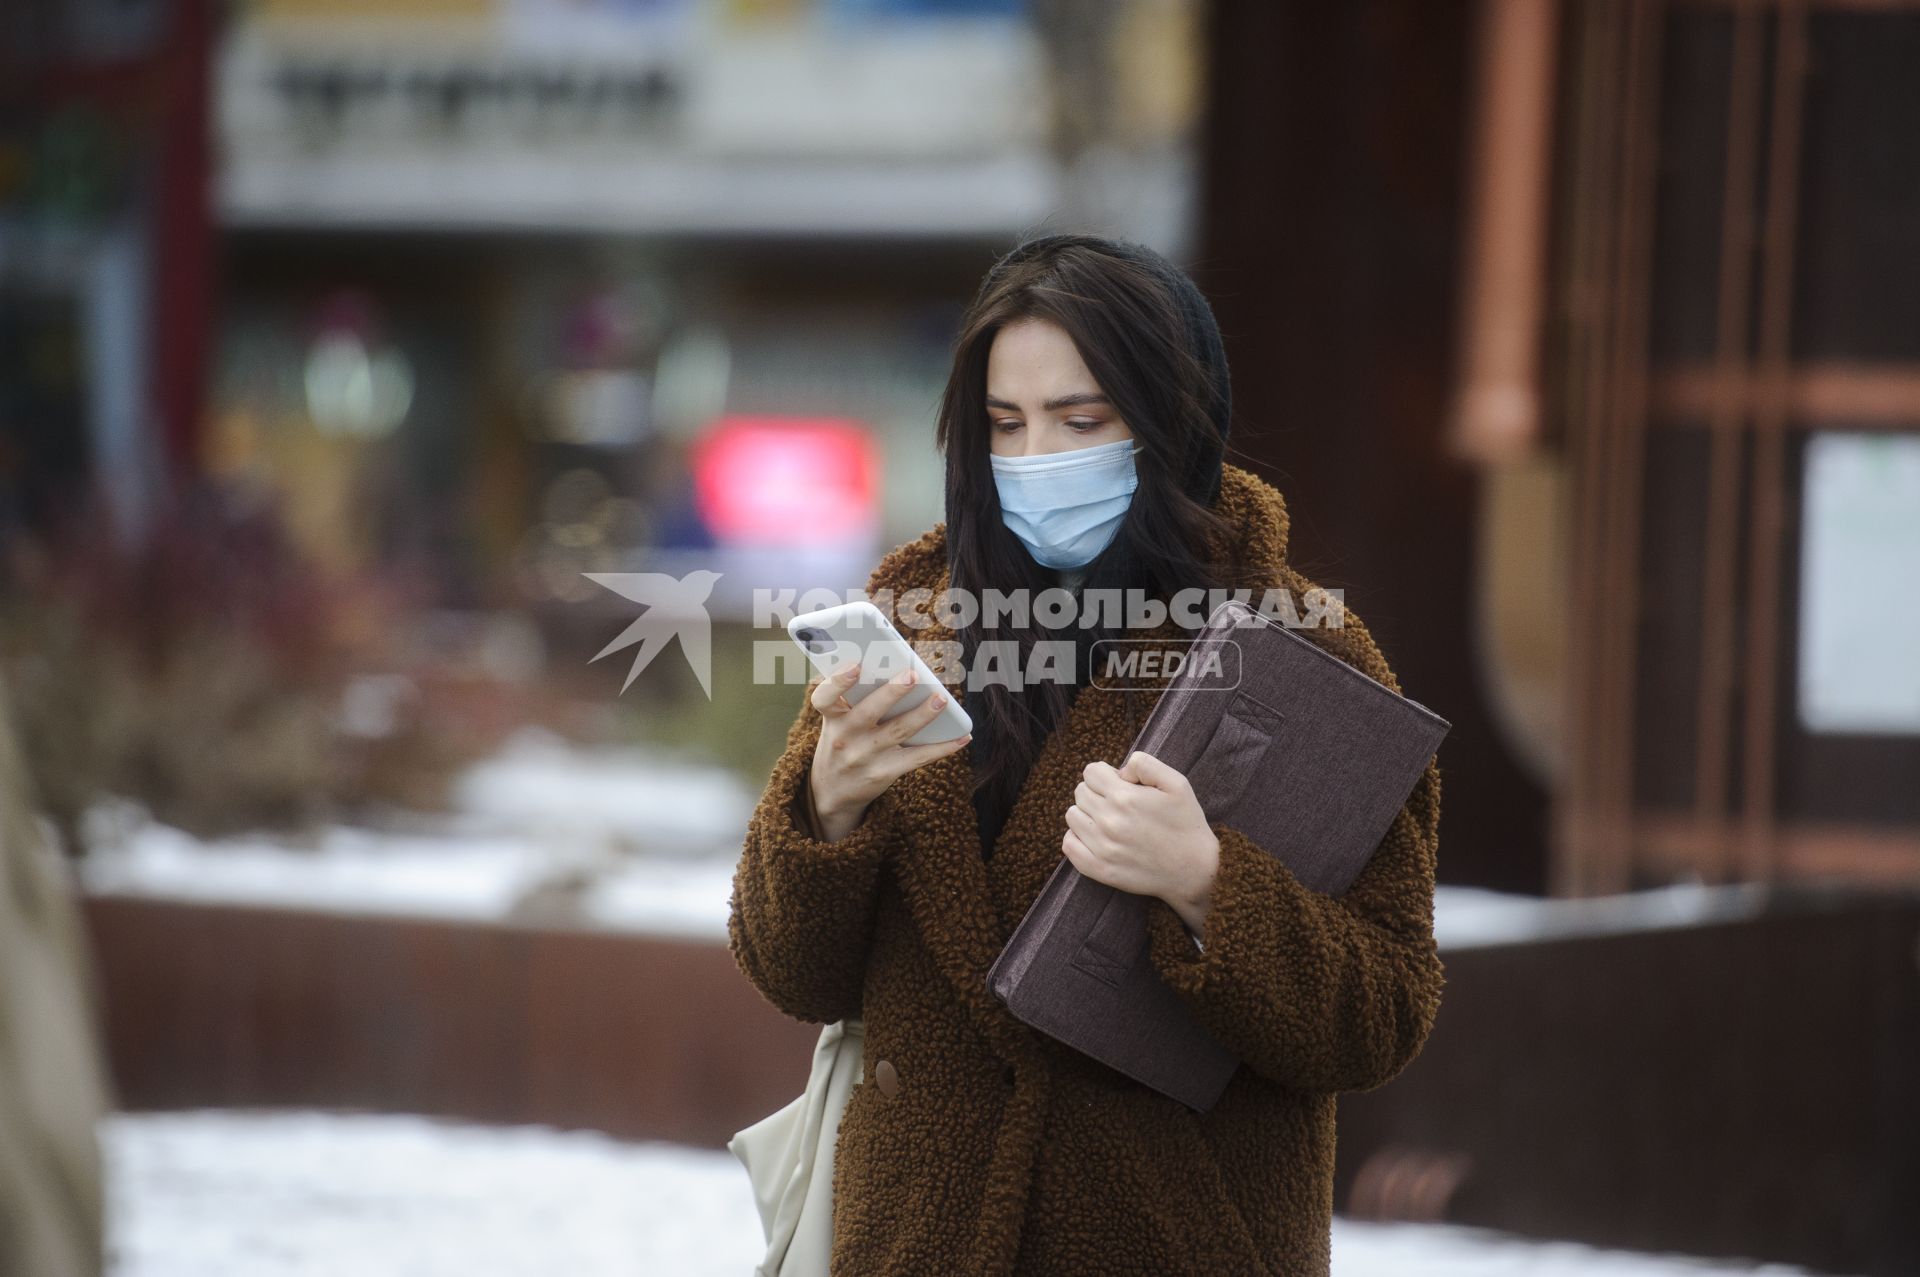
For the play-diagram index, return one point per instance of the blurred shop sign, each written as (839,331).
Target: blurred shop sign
(912,91)
(634,116)
(1860,584)
(924,8)
(587,26)
(787,481)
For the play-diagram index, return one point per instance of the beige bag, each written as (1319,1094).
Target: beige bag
(789,1157)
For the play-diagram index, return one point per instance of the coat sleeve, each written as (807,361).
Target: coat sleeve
(801,916)
(1316,992)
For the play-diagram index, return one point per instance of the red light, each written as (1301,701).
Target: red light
(786,480)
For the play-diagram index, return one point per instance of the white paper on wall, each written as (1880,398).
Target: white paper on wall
(1860,584)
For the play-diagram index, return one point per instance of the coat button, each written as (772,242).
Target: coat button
(888,1078)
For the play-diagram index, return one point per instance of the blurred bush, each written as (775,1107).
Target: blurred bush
(743,728)
(217,678)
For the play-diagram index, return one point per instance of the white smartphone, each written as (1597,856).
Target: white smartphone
(835,637)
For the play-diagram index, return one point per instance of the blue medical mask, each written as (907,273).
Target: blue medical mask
(1066,506)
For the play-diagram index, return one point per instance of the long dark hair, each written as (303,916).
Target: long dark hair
(1147,337)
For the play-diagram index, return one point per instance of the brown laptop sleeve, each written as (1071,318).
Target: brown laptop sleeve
(1282,740)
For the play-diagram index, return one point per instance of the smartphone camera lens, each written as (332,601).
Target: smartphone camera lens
(814,640)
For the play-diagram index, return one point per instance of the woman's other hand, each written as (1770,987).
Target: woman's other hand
(1139,828)
(858,755)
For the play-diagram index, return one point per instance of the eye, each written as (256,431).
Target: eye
(1084,425)
(1007,426)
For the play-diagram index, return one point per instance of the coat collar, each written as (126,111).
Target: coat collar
(967,907)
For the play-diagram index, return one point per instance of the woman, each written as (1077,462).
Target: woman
(881,880)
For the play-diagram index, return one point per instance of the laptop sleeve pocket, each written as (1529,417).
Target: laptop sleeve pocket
(1230,763)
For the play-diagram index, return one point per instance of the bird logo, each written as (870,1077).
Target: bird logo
(676,607)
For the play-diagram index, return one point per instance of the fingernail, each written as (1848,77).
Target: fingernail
(939,699)
(904,676)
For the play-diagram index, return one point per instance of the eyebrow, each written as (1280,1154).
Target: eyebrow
(1084,399)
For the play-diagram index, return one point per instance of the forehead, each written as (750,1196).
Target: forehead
(1035,356)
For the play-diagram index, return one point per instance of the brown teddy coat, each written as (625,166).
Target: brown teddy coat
(978,1145)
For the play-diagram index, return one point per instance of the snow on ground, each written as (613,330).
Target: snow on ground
(631,840)
(474,876)
(627,840)
(1464,917)
(635,840)
(319,1195)
(298,1194)
(637,798)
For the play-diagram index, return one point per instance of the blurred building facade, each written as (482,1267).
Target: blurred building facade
(1732,380)
(459,287)
(564,253)
(1592,328)
(450,303)
(105,256)
(1581,327)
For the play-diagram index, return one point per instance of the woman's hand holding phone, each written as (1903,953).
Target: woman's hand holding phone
(858,755)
